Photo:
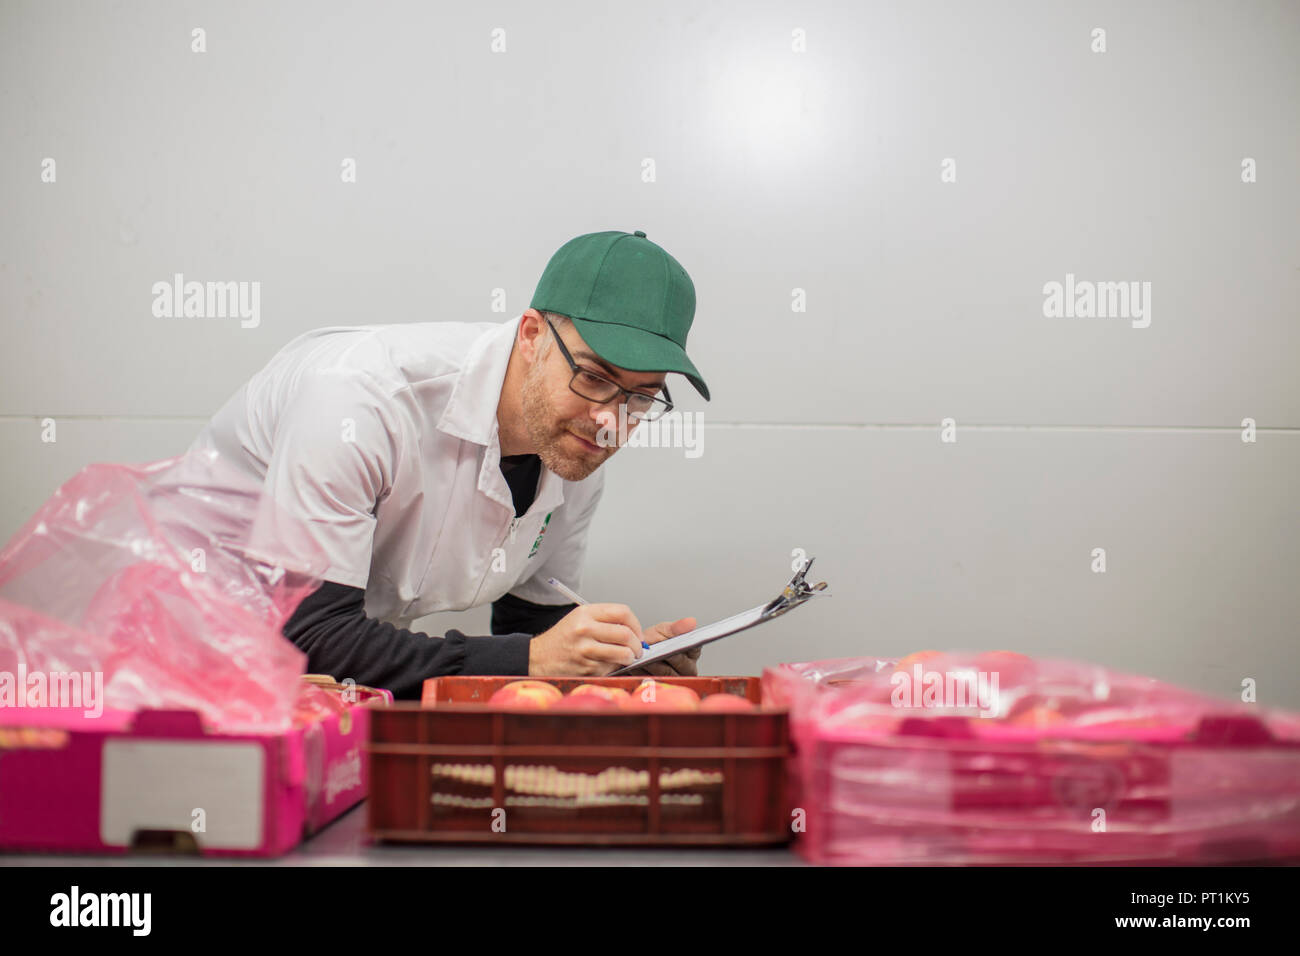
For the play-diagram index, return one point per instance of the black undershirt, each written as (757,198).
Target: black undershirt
(522,473)
(331,626)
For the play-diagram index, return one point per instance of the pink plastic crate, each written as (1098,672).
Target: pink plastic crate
(149,780)
(1207,787)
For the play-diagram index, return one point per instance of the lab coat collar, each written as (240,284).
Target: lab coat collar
(471,415)
(471,412)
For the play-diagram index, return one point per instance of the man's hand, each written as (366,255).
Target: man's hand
(589,641)
(679,665)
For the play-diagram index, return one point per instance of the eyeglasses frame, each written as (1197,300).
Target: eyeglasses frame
(622,393)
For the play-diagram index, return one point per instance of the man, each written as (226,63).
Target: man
(442,466)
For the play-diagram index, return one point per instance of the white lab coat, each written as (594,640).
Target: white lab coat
(382,441)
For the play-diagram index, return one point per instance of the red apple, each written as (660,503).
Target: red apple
(655,695)
(613,695)
(527,695)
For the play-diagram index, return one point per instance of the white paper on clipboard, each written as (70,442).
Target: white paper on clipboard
(794,594)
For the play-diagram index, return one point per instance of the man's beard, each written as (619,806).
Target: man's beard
(547,436)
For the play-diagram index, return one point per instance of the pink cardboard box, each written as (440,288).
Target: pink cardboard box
(156,779)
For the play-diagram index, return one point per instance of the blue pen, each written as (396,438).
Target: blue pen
(573,596)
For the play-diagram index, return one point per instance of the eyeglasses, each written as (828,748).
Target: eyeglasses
(595,387)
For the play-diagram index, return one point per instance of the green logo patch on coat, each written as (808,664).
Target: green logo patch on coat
(538,543)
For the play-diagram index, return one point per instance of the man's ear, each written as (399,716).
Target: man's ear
(532,333)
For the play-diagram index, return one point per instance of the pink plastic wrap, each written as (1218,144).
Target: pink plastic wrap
(160,586)
(995,757)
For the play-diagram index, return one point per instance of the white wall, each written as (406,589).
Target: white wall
(775,170)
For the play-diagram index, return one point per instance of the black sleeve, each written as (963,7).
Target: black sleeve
(331,626)
(514,615)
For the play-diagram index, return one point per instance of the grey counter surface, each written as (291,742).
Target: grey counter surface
(344,843)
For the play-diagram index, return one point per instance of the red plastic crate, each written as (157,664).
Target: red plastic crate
(453,769)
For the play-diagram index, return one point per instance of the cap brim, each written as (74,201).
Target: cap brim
(639,351)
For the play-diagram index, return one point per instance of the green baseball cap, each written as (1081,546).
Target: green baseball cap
(630,301)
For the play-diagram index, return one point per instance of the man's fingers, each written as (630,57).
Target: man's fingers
(679,665)
(615,614)
(683,664)
(655,635)
(666,629)
(611,642)
(618,654)
(658,669)
(609,633)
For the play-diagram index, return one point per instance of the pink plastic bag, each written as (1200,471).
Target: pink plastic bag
(995,757)
(160,586)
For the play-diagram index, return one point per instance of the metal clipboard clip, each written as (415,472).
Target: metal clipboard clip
(794,593)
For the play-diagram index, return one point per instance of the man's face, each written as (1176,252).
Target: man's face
(556,418)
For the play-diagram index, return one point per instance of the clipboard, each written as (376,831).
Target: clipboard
(797,592)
